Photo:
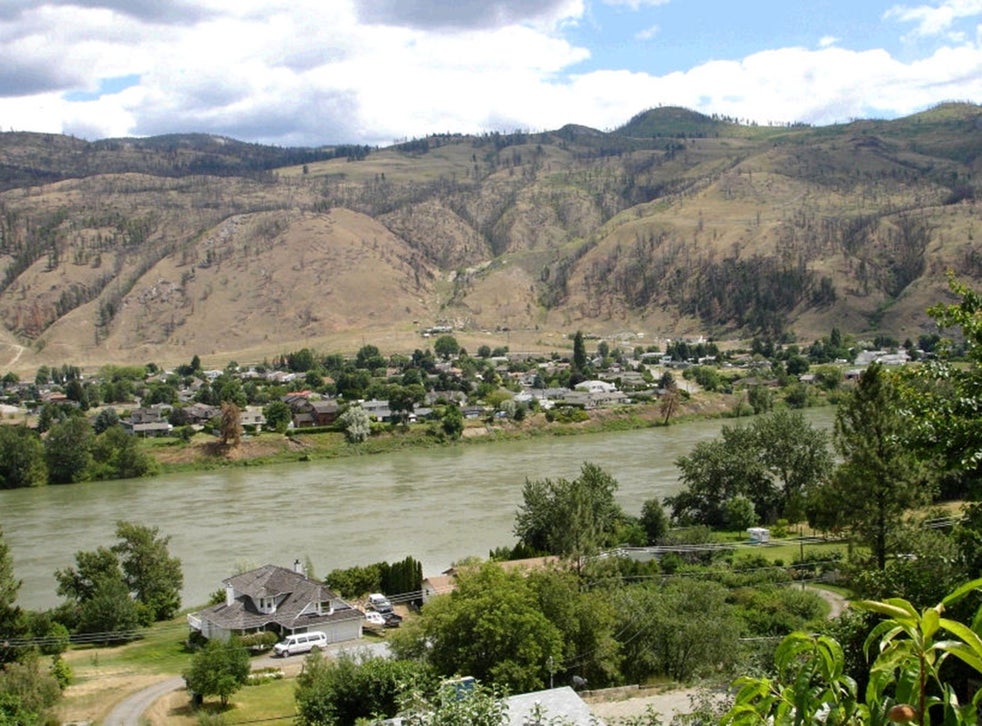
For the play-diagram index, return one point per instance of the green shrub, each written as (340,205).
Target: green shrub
(259,642)
(62,672)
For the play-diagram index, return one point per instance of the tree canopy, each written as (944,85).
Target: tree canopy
(153,576)
(570,518)
(220,668)
(942,398)
(22,462)
(489,627)
(134,581)
(775,462)
(880,476)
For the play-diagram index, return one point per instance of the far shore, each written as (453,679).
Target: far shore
(205,452)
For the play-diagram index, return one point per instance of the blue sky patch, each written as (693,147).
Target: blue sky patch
(107,87)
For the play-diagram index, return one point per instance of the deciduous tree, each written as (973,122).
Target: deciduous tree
(943,398)
(446,346)
(278,416)
(682,630)
(231,424)
(357,424)
(344,689)
(572,518)
(67,450)
(151,573)
(22,461)
(219,669)
(117,455)
(654,520)
(775,462)
(490,627)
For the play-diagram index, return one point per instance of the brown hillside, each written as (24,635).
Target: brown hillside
(160,249)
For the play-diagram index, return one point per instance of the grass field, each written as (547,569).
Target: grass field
(266,703)
(105,674)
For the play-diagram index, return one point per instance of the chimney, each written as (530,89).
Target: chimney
(298,567)
(229,595)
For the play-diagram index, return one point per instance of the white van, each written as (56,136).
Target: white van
(301,643)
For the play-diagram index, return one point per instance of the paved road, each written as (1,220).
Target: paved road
(129,711)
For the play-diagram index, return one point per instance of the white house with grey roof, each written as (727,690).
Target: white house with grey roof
(280,600)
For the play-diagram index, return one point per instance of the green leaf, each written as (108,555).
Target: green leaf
(961,591)
(963,653)
(966,634)
(929,623)
(893,608)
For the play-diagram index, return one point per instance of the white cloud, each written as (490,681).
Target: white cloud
(933,20)
(827,41)
(466,14)
(304,72)
(647,33)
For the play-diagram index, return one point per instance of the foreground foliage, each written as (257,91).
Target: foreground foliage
(907,682)
(344,689)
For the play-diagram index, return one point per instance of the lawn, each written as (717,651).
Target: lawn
(270,702)
(103,675)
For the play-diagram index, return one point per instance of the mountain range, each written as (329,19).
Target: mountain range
(675,224)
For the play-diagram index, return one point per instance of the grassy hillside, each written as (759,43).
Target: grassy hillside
(132,250)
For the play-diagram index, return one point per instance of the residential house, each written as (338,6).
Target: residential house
(252,418)
(308,412)
(377,409)
(146,422)
(325,411)
(438,585)
(279,600)
(596,386)
(562,703)
(201,413)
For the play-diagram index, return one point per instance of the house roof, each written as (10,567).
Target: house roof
(325,406)
(562,702)
(439,584)
(295,595)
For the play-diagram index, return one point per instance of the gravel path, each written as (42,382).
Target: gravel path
(128,711)
(837,603)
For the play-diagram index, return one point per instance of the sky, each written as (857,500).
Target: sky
(321,72)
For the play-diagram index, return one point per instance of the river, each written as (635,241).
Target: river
(438,505)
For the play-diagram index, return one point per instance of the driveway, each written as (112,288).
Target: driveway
(129,711)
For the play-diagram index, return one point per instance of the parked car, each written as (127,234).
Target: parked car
(380,602)
(392,620)
(301,643)
(375,618)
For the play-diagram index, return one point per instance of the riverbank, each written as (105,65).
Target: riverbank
(203,453)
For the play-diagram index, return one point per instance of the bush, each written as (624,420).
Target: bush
(738,513)
(61,672)
(259,642)
(567,414)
